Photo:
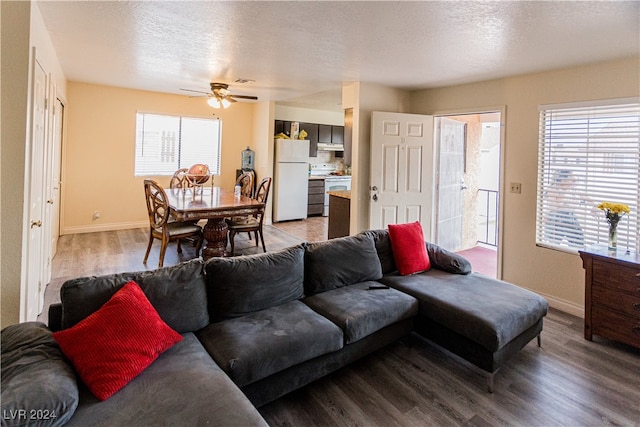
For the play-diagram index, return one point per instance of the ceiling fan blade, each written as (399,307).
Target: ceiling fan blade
(255,98)
(198,91)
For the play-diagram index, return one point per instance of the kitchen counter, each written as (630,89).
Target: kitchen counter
(316,177)
(343,194)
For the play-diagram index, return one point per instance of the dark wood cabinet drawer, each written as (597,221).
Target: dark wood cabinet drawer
(617,301)
(316,199)
(316,183)
(615,276)
(616,326)
(315,209)
(316,190)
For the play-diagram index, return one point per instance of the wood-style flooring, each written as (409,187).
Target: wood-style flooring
(567,382)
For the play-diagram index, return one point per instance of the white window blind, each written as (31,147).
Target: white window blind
(166,143)
(588,153)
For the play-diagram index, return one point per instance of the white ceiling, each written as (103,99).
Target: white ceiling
(295,49)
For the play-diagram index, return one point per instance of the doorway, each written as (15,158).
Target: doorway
(468,187)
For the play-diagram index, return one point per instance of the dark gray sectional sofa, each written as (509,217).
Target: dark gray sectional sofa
(257,327)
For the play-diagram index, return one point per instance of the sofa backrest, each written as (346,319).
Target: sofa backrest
(178,293)
(440,258)
(340,262)
(241,285)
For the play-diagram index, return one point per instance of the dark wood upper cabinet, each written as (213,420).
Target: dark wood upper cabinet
(337,134)
(278,127)
(324,134)
(312,136)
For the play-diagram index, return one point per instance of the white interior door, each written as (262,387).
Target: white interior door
(53,183)
(33,292)
(401,182)
(450,153)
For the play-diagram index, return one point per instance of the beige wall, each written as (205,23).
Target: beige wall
(557,275)
(99,152)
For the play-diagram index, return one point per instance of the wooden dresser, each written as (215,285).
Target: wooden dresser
(612,295)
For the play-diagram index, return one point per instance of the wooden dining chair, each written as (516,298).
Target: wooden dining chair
(246,183)
(179,179)
(160,225)
(252,223)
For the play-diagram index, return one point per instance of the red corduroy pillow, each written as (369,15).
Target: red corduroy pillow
(116,343)
(409,248)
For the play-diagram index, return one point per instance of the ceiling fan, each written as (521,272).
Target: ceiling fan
(220,96)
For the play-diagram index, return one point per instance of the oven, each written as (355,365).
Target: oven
(334,183)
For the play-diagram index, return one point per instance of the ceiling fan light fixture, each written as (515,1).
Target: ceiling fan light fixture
(214,102)
(225,102)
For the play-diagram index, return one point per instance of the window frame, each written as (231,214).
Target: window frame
(141,171)
(604,164)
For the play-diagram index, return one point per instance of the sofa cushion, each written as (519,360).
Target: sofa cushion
(246,284)
(38,384)
(257,345)
(409,250)
(340,262)
(447,261)
(178,293)
(117,342)
(360,311)
(485,310)
(184,386)
(383,248)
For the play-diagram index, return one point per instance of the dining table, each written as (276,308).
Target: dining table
(213,204)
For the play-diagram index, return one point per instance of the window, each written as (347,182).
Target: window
(588,153)
(165,144)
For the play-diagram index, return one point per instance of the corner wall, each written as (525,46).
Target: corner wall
(554,274)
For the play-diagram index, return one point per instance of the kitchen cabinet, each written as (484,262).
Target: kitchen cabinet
(324,134)
(315,204)
(312,136)
(337,134)
(339,213)
(612,295)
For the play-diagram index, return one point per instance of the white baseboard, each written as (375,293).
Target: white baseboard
(563,305)
(104,227)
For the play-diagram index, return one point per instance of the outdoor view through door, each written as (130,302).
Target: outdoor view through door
(467,179)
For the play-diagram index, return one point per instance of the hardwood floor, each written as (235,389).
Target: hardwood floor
(567,382)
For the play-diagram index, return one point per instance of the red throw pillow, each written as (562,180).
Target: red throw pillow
(116,343)
(409,248)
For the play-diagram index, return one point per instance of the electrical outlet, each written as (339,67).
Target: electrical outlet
(516,187)
(96,215)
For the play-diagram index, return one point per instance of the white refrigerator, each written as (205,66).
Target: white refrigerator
(291,180)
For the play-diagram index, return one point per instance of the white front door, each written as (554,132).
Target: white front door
(450,154)
(54,160)
(401,181)
(33,291)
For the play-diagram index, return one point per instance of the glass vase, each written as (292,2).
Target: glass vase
(613,236)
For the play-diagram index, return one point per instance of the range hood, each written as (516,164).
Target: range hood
(323,146)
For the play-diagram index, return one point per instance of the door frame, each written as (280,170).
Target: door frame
(502,109)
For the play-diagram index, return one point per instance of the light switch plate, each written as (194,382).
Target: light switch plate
(516,187)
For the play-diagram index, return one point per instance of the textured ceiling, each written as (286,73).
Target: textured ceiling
(294,49)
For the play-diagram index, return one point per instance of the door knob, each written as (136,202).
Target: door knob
(37,223)
(375,197)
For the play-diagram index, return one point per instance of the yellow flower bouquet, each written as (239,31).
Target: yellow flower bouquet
(613,212)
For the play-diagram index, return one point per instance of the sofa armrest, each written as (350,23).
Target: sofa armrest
(55,317)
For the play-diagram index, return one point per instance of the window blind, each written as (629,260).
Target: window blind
(588,153)
(167,143)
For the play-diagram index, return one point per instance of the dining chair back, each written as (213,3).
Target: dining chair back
(245,180)
(254,223)
(160,225)
(179,179)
